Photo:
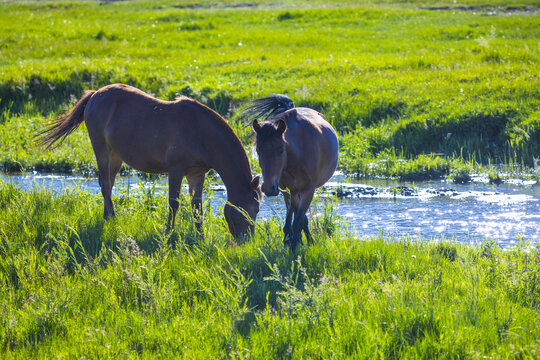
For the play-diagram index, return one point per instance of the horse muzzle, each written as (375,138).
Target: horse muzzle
(272,190)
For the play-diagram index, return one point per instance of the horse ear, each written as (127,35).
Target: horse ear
(256,126)
(255,182)
(281,126)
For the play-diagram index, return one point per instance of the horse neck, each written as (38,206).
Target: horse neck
(234,172)
(230,161)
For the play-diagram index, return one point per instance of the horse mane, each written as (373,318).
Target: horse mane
(266,107)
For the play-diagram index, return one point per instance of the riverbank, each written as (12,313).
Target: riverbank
(19,152)
(74,285)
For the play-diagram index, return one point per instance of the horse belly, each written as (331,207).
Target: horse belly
(141,152)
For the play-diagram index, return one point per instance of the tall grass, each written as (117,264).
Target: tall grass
(73,285)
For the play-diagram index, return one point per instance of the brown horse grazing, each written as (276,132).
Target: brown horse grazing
(298,151)
(182,138)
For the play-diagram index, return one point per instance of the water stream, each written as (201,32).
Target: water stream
(469,213)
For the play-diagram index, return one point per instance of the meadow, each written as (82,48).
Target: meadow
(416,89)
(72,286)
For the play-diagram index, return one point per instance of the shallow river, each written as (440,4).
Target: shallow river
(469,213)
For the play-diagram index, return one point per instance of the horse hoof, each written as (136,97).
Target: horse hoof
(108,215)
(292,248)
(287,240)
(293,244)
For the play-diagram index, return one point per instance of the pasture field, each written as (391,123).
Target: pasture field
(416,89)
(74,286)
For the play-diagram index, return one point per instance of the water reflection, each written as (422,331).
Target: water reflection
(431,210)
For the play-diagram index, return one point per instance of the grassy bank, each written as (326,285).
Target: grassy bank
(407,78)
(73,285)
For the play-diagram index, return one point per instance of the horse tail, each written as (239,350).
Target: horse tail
(61,127)
(267,107)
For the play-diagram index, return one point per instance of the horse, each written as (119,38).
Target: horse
(183,138)
(298,152)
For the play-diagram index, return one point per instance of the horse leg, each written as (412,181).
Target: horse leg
(196,183)
(176,174)
(304,201)
(115,163)
(305,228)
(295,201)
(287,228)
(108,166)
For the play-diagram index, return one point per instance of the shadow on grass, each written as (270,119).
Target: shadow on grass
(48,95)
(51,95)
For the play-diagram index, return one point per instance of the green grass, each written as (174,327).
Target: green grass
(391,78)
(414,94)
(73,285)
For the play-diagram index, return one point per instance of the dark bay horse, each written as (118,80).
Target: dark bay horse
(181,138)
(298,151)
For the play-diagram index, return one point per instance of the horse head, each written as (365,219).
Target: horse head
(241,212)
(271,148)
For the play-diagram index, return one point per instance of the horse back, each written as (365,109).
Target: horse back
(147,133)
